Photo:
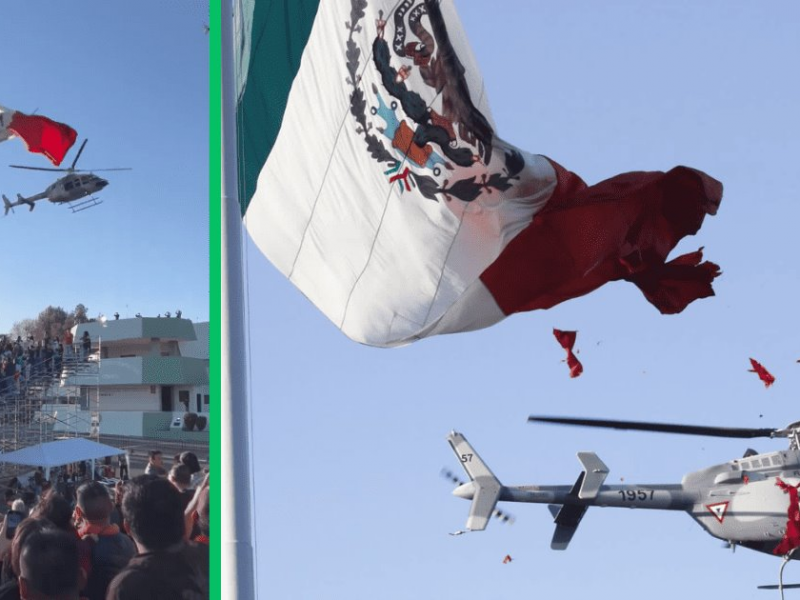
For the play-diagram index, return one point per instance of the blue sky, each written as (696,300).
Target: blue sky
(132,78)
(349,440)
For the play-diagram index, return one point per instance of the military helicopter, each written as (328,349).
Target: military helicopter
(749,502)
(77,184)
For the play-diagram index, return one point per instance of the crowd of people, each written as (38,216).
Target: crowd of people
(22,360)
(145,538)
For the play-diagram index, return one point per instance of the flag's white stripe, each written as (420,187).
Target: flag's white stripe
(382,264)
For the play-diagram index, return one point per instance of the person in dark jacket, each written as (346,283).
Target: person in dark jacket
(166,566)
(111,550)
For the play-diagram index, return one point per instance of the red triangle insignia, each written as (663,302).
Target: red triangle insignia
(718,510)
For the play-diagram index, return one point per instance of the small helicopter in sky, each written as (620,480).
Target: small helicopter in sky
(751,501)
(70,189)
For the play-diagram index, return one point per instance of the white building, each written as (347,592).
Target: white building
(142,376)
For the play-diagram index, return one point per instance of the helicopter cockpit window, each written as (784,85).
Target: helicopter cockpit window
(68,185)
(734,467)
(764,462)
(776,460)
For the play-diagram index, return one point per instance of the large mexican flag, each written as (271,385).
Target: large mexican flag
(372,176)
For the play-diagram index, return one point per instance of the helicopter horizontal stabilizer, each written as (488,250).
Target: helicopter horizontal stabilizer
(22,200)
(568,517)
(8,204)
(595,473)
(567,521)
(486,486)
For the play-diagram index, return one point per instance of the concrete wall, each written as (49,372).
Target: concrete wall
(128,423)
(167,370)
(200,347)
(129,348)
(139,328)
(129,398)
(69,418)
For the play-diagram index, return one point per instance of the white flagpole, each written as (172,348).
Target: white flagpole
(237,572)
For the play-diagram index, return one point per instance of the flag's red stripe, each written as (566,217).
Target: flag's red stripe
(44,135)
(621,228)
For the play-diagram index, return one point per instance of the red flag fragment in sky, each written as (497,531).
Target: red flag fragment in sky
(567,341)
(763,374)
(507,559)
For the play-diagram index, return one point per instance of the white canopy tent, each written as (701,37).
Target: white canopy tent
(60,452)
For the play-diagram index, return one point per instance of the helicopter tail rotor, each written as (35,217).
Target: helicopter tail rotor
(501,515)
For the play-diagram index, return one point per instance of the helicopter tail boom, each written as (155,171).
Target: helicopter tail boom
(484,489)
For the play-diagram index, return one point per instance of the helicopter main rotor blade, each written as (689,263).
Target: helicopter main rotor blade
(786,586)
(109,169)
(729,432)
(78,155)
(37,168)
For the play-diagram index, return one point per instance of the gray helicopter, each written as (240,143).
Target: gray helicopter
(747,502)
(73,187)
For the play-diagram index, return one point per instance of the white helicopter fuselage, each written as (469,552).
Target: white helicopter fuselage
(73,187)
(742,502)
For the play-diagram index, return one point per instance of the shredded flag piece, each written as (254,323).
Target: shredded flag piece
(567,341)
(507,559)
(40,134)
(763,374)
(791,539)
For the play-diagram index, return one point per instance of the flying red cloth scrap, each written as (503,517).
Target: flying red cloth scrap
(791,539)
(567,341)
(40,134)
(507,559)
(763,374)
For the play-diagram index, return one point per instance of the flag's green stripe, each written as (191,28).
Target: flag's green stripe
(280,31)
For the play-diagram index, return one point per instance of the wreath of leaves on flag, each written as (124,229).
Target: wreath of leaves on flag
(467,189)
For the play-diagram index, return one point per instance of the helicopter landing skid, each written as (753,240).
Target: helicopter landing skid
(781,586)
(84,204)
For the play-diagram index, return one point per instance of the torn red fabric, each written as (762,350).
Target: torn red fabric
(673,285)
(621,228)
(763,374)
(567,341)
(507,559)
(791,539)
(43,135)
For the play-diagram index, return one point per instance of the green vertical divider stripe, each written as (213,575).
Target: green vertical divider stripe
(214,282)
(279,34)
